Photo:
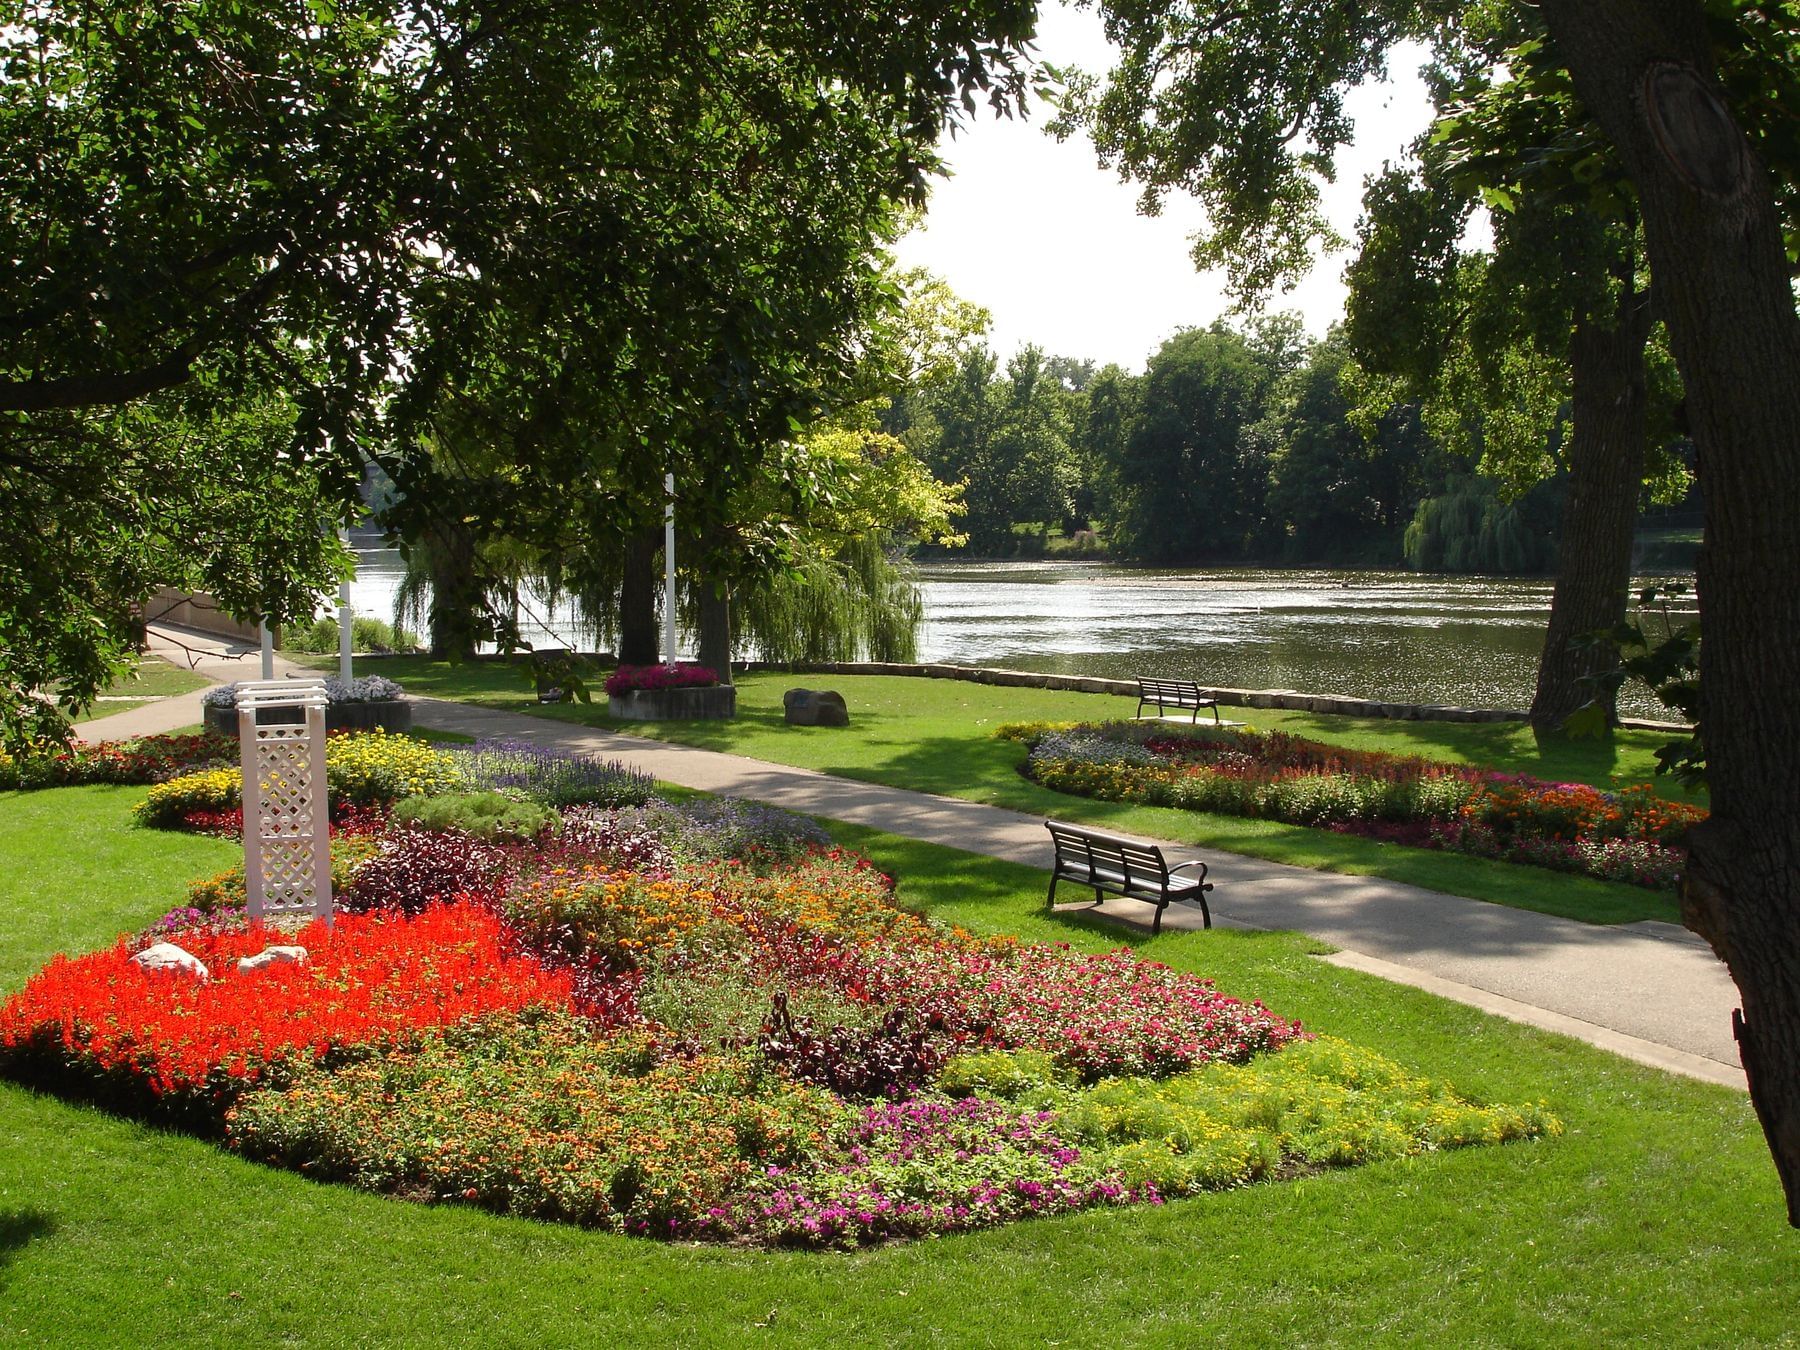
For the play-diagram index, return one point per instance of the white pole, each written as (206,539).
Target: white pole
(669,570)
(346,620)
(268,650)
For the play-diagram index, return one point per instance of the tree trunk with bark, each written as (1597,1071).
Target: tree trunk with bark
(457,599)
(638,638)
(1644,70)
(715,628)
(1606,472)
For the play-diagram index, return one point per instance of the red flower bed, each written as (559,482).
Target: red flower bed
(368,979)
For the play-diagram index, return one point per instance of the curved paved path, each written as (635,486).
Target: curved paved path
(1650,991)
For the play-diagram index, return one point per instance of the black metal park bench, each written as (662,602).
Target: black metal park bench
(1173,694)
(1125,867)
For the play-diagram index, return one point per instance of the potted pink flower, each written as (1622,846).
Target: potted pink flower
(675,692)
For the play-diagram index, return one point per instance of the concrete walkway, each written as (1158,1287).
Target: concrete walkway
(1652,992)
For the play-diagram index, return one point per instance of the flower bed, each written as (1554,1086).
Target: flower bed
(681,675)
(366,704)
(681,692)
(1629,835)
(146,759)
(700,1021)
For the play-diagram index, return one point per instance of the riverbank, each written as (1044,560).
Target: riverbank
(1391,637)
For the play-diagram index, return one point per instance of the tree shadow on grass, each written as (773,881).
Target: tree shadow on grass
(19,1228)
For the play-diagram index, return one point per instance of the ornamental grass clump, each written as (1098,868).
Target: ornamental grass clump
(491,816)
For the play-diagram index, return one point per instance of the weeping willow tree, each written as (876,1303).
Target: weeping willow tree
(1471,528)
(861,602)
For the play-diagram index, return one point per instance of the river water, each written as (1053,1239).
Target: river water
(1397,636)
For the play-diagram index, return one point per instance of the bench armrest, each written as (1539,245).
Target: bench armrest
(1194,862)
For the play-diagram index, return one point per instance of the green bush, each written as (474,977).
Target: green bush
(486,815)
(320,637)
(1001,1073)
(1318,1103)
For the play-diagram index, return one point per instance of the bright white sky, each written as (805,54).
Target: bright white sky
(1053,247)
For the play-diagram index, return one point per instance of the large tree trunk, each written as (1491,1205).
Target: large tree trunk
(715,628)
(1606,472)
(637,600)
(715,605)
(1643,68)
(456,593)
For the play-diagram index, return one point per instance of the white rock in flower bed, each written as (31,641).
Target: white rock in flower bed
(271,956)
(166,956)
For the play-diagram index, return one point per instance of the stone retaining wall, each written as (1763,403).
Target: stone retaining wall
(1333,704)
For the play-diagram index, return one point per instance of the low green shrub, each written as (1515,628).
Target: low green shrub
(1014,1074)
(320,637)
(1316,1103)
(486,815)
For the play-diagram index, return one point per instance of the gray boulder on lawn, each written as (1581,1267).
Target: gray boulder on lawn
(815,708)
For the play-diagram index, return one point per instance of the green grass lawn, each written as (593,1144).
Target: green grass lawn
(154,678)
(936,736)
(1656,1218)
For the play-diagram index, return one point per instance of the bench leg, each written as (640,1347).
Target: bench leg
(1156,923)
(1050,899)
(1205,911)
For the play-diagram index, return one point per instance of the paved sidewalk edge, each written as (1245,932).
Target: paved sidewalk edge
(1665,1057)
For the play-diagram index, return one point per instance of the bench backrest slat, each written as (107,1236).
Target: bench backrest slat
(1135,861)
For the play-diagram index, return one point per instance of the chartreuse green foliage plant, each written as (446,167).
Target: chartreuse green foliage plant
(486,815)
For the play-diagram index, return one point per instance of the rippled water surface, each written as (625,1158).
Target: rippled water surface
(1400,636)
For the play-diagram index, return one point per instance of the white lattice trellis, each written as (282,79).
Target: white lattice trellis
(287,836)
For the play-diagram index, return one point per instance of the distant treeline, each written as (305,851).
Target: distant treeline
(1234,446)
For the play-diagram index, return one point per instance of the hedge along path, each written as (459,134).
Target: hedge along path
(1651,992)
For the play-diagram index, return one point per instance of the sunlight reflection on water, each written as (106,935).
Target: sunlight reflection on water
(1398,636)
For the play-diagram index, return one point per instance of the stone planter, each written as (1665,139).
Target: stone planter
(675,705)
(389,715)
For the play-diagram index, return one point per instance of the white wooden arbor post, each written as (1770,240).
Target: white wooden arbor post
(287,822)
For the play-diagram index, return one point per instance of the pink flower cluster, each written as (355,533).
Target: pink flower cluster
(683,675)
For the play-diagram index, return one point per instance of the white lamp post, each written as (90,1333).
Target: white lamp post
(346,620)
(669,569)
